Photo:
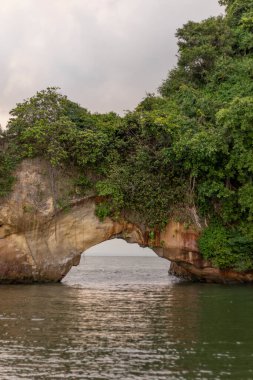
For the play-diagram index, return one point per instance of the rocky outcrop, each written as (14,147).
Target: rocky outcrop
(45,227)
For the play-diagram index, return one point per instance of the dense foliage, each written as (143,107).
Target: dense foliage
(191,148)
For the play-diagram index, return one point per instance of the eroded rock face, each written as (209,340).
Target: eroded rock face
(40,241)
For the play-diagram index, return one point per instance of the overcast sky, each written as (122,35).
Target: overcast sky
(104,54)
(118,247)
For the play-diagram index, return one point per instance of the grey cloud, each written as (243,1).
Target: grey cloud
(104,54)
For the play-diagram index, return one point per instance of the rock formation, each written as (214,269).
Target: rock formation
(40,241)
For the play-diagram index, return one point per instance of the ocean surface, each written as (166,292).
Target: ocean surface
(125,318)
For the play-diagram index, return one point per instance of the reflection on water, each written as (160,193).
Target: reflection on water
(152,328)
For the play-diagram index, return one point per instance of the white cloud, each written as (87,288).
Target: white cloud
(105,54)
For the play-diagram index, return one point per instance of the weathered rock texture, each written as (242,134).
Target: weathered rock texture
(40,239)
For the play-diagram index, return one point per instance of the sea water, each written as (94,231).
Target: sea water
(125,318)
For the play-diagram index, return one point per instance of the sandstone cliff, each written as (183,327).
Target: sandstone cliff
(40,241)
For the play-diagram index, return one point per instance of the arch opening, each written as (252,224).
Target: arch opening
(118,263)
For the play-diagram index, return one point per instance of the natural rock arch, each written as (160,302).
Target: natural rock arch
(40,244)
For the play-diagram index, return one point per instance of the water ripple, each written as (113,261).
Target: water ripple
(106,327)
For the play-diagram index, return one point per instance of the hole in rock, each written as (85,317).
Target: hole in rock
(116,262)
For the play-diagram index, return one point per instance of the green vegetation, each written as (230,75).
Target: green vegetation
(226,247)
(191,148)
(102,211)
